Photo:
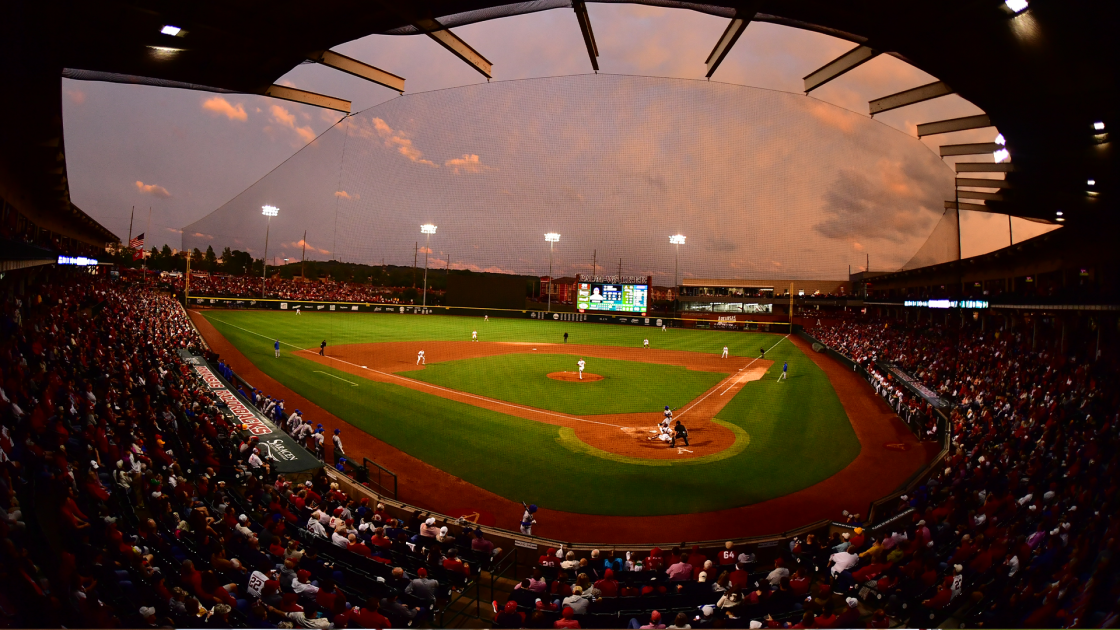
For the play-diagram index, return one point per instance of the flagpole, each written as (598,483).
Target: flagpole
(142,259)
(130,218)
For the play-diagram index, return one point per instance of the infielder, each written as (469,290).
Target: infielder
(724,355)
(420,358)
(276,346)
(581,363)
(645,343)
(527,520)
(785,372)
(474,335)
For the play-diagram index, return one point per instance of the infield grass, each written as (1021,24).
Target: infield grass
(627,386)
(797,430)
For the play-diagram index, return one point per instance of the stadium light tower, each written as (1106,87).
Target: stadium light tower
(678,240)
(427,229)
(268,211)
(552,238)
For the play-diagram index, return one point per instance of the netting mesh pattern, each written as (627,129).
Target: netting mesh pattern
(762,183)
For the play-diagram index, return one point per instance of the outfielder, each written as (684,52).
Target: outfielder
(420,358)
(474,335)
(527,520)
(645,343)
(724,355)
(581,363)
(485,318)
(276,346)
(785,372)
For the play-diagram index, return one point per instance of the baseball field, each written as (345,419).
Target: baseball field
(508,413)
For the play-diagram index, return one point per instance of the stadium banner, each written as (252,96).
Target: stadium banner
(277,447)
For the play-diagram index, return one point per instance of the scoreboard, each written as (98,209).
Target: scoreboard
(612,297)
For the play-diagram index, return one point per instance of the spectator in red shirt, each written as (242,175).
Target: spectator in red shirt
(452,562)
(567,619)
(608,586)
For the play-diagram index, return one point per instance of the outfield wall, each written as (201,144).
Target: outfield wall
(653,321)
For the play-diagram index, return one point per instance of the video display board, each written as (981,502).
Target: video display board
(618,298)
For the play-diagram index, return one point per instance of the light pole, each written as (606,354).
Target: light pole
(678,240)
(552,238)
(268,211)
(428,229)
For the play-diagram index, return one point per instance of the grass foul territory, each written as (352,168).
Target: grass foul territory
(781,436)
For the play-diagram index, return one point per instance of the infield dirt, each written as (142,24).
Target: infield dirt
(889,454)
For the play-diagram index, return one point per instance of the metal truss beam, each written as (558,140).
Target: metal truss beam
(308,98)
(850,60)
(588,35)
(954,124)
(357,68)
(909,97)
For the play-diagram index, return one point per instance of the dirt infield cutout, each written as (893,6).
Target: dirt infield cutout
(624,436)
(574,377)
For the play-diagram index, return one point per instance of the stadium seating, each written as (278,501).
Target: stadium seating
(122,485)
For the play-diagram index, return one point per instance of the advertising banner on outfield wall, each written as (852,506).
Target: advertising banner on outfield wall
(277,448)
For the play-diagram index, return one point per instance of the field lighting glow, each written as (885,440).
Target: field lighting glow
(1099,126)
(676,239)
(427,228)
(170,30)
(1001,155)
(1000,139)
(552,237)
(1016,6)
(270,211)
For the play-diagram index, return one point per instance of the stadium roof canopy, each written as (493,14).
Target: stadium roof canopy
(1044,76)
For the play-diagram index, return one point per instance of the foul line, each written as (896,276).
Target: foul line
(416,381)
(333,376)
(705,396)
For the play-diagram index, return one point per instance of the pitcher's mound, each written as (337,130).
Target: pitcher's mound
(574,377)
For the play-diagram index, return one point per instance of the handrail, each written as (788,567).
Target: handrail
(380,469)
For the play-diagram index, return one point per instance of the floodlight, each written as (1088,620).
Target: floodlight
(1099,126)
(1059,213)
(1059,219)
(170,30)
(1001,155)
(1000,139)
(427,228)
(1092,182)
(1016,6)
(270,211)
(552,237)
(676,239)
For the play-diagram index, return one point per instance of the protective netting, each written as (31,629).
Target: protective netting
(943,244)
(762,183)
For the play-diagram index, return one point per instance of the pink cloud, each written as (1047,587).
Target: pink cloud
(283,117)
(76,96)
(401,141)
(300,243)
(469,163)
(154,190)
(342,194)
(221,107)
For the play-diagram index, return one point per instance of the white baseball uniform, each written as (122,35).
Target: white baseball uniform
(724,355)
(581,365)
(420,358)
(474,335)
(645,343)
(485,318)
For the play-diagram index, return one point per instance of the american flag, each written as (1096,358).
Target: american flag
(137,244)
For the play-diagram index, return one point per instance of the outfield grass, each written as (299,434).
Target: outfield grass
(798,432)
(627,386)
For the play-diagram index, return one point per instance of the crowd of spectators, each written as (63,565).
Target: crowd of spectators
(128,497)
(213,285)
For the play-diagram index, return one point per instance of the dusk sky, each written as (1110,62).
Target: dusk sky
(185,154)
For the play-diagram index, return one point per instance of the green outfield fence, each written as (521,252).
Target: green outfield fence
(652,321)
